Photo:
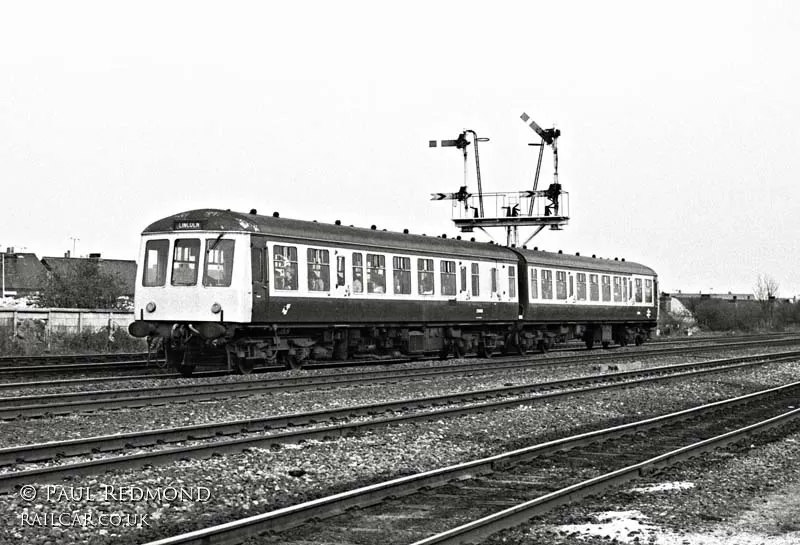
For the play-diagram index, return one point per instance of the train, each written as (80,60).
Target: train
(268,290)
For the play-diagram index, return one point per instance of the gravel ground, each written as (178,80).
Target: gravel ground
(747,494)
(26,431)
(234,486)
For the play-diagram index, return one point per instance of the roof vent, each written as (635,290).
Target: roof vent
(405,231)
(623,259)
(253,211)
(444,235)
(594,256)
(578,254)
(373,227)
(275,215)
(458,237)
(560,252)
(616,259)
(338,222)
(472,239)
(535,248)
(94,256)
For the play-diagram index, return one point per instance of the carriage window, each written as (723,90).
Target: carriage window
(581,278)
(155,263)
(606,280)
(401,269)
(219,262)
(285,267)
(648,291)
(476,280)
(512,281)
(376,273)
(638,283)
(534,284)
(561,285)
(594,288)
(358,272)
(425,276)
(319,270)
(339,270)
(184,262)
(463,278)
(547,284)
(617,289)
(625,290)
(448,270)
(493,276)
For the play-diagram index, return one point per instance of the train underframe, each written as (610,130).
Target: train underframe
(247,347)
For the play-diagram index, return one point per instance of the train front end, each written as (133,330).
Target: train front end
(192,286)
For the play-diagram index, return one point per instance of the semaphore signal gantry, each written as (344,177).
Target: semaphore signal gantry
(510,209)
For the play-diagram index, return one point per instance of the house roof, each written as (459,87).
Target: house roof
(23,271)
(125,269)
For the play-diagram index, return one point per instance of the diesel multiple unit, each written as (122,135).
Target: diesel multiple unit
(267,289)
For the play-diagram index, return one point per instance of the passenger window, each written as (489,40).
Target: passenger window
(638,284)
(561,285)
(617,289)
(401,269)
(581,278)
(155,263)
(340,270)
(594,288)
(425,276)
(493,277)
(319,270)
(512,281)
(625,290)
(547,284)
(285,267)
(448,270)
(476,280)
(534,284)
(606,280)
(463,278)
(376,273)
(184,262)
(358,272)
(648,291)
(219,263)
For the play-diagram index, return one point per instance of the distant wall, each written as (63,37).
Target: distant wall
(67,320)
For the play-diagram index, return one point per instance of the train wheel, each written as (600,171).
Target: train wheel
(241,366)
(638,340)
(458,348)
(606,344)
(180,360)
(589,344)
(290,361)
(543,346)
(483,351)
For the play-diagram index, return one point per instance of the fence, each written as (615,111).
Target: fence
(67,320)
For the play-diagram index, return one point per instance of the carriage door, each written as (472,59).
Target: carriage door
(259,262)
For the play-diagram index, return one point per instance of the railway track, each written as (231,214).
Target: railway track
(359,418)
(510,362)
(466,502)
(29,406)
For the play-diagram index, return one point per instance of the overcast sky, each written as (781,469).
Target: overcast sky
(679,121)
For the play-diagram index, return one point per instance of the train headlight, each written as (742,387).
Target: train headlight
(151,307)
(216,308)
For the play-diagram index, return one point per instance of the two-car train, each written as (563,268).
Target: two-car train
(268,289)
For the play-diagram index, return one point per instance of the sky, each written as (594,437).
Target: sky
(679,122)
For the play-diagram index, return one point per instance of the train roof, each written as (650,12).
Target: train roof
(226,220)
(555,260)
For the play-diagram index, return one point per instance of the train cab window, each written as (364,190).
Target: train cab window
(594,288)
(448,272)
(425,276)
(534,284)
(512,281)
(219,262)
(493,277)
(581,281)
(358,272)
(648,291)
(376,273)
(319,270)
(638,284)
(606,281)
(155,262)
(547,284)
(340,270)
(617,289)
(184,262)
(561,285)
(401,271)
(476,280)
(285,267)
